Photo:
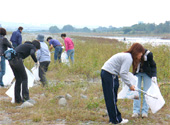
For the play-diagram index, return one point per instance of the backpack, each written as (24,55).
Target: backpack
(10,54)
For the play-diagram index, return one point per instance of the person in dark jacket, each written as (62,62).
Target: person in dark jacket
(23,51)
(4,44)
(147,71)
(16,37)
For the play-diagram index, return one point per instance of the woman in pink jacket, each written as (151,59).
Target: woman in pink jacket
(69,45)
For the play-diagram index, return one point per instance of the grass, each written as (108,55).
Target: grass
(90,55)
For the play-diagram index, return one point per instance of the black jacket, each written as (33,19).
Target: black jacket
(26,49)
(149,66)
(4,44)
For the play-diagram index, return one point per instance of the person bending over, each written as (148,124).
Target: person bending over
(18,68)
(118,65)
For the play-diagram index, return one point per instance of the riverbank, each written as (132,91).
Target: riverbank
(82,82)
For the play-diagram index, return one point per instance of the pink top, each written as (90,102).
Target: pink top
(68,43)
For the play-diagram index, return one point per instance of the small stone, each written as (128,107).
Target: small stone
(83,96)
(68,96)
(62,102)
(42,95)
(168,116)
(32,101)
(25,105)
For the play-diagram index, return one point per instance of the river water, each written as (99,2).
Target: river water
(142,40)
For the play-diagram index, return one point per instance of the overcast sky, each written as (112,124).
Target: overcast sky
(81,13)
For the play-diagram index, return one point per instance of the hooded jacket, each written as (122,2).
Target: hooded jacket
(26,49)
(149,66)
(43,54)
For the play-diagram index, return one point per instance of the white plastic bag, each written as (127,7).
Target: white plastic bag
(9,76)
(10,91)
(126,93)
(35,71)
(64,58)
(154,104)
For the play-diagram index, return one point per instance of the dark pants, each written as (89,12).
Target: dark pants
(110,86)
(42,71)
(20,74)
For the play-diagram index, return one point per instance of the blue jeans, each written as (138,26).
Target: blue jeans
(146,85)
(2,71)
(57,53)
(70,53)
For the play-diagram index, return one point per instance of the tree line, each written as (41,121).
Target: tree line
(140,28)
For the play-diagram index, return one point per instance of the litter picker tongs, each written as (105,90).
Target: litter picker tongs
(145,93)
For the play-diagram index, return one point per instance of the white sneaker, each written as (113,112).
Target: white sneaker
(144,115)
(135,115)
(124,121)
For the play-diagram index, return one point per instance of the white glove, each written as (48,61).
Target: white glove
(154,79)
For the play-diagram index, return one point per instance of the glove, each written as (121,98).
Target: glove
(0,58)
(36,65)
(154,79)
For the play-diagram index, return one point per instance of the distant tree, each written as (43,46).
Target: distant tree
(101,29)
(126,30)
(150,27)
(54,29)
(85,29)
(94,30)
(68,28)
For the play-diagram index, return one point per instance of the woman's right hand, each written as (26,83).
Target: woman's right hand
(132,88)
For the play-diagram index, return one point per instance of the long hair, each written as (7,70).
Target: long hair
(134,50)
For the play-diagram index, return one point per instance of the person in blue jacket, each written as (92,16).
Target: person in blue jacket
(43,56)
(16,37)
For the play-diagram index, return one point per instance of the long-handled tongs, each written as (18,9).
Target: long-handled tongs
(145,93)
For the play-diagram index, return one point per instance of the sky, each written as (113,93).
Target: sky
(85,13)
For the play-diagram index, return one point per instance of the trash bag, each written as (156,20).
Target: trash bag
(154,104)
(126,93)
(10,91)
(35,71)
(9,75)
(64,58)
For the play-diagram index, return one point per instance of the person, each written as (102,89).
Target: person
(53,43)
(17,66)
(69,45)
(4,44)
(43,56)
(118,65)
(16,37)
(147,72)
